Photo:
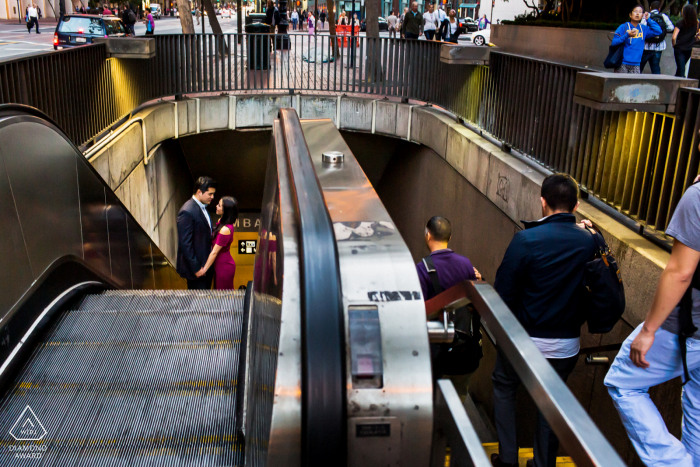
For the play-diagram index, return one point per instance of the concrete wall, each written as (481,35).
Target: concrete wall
(591,46)
(415,182)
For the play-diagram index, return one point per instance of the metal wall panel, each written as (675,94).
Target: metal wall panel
(16,274)
(46,198)
(141,259)
(93,214)
(120,255)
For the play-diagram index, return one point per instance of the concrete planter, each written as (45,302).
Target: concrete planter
(581,47)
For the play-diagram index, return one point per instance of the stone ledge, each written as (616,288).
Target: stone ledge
(465,54)
(128,47)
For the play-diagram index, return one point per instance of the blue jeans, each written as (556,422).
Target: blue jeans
(654,59)
(629,385)
(682,57)
(294,25)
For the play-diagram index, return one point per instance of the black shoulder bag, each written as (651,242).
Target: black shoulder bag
(686,327)
(604,294)
(462,356)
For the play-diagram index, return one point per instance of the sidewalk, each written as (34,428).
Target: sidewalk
(16,22)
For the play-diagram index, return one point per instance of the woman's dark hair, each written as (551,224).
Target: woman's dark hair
(690,17)
(229,216)
(635,7)
(560,191)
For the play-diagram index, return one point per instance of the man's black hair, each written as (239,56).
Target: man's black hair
(203,184)
(440,228)
(560,191)
(655,5)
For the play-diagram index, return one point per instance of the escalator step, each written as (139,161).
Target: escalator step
(134,378)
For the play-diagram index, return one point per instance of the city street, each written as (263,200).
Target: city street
(16,42)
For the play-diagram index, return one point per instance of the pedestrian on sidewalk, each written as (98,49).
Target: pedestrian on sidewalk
(391,21)
(655,46)
(197,14)
(684,36)
(295,20)
(441,17)
(32,18)
(654,352)
(541,280)
(450,30)
(631,35)
(412,26)
(483,22)
(430,23)
(150,24)
(311,24)
(323,19)
(129,19)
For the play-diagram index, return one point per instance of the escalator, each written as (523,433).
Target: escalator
(117,369)
(322,360)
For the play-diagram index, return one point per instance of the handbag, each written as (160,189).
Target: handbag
(603,292)
(615,55)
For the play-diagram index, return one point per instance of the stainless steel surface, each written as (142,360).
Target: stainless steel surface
(453,429)
(283,447)
(576,431)
(377,269)
(441,332)
(333,157)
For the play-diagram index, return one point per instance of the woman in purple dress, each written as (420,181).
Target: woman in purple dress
(222,237)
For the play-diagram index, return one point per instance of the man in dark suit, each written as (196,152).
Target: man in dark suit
(194,227)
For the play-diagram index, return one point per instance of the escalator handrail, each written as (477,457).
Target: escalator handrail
(324,431)
(578,434)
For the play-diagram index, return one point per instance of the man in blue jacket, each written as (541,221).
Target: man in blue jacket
(540,279)
(633,35)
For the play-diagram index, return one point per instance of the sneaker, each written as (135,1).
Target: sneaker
(38,32)
(497,462)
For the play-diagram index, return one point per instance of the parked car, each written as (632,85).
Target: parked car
(469,24)
(482,37)
(156,11)
(383,25)
(75,30)
(226,13)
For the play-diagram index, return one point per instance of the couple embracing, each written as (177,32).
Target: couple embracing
(204,247)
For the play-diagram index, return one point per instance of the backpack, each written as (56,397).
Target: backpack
(603,291)
(462,356)
(659,18)
(132,17)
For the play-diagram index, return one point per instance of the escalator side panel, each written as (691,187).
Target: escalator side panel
(93,216)
(118,242)
(45,190)
(16,279)
(141,259)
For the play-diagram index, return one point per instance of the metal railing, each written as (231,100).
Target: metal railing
(637,162)
(578,434)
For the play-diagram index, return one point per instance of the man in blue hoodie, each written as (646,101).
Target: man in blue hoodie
(540,279)
(632,35)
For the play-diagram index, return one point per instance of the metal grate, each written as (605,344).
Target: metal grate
(135,378)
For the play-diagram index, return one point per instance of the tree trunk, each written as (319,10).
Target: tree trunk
(331,26)
(239,17)
(183,6)
(213,20)
(374,71)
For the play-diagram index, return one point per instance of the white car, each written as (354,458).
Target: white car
(482,37)
(226,13)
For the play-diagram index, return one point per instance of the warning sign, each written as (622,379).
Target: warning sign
(247,247)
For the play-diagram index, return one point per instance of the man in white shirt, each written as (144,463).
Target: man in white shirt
(33,15)
(429,23)
(654,46)
(441,16)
